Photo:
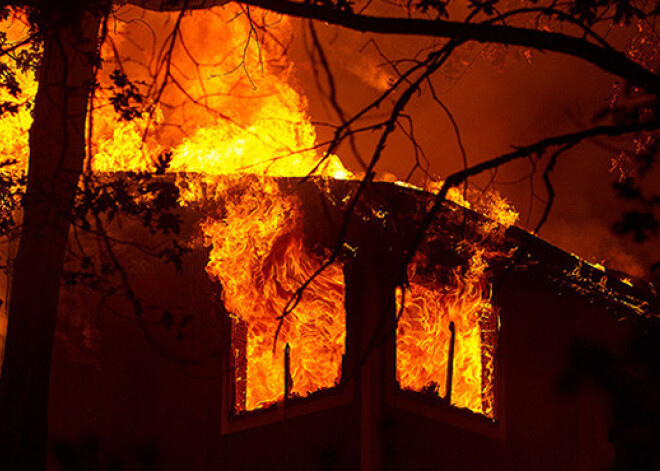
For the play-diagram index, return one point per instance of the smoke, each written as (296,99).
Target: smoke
(373,71)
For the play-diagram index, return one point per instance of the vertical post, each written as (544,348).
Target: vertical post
(238,365)
(370,314)
(288,380)
(450,361)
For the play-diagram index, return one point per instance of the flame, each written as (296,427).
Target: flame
(423,337)
(488,203)
(222,110)
(230,119)
(14,149)
(257,251)
(259,256)
(423,334)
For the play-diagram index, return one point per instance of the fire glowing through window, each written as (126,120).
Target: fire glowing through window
(446,338)
(446,334)
(255,239)
(259,256)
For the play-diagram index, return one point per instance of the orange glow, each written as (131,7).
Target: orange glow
(222,110)
(423,337)
(256,242)
(245,118)
(14,127)
(488,203)
(259,256)
(14,151)
(231,118)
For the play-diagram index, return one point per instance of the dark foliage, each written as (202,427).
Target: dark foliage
(641,225)
(126,98)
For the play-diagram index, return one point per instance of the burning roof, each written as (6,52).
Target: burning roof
(278,246)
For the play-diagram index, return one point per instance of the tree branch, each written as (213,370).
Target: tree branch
(605,58)
(539,148)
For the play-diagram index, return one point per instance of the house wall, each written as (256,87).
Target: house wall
(139,395)
(149,395)
(142,407)
(546,424)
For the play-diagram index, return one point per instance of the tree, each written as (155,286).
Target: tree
(70,32)
(57,153)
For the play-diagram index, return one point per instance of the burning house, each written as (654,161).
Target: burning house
(307,318)
(464,368)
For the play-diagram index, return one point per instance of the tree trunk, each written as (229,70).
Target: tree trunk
(57,153)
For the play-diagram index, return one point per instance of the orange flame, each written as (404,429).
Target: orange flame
(232,118)
(423,338)
(14,150)
(489,203)
(15,126)
(221,110)
(259,256)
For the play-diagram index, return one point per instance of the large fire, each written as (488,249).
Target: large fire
(259,255)
(14,152)
(455,325)
(257,250)
(231,118)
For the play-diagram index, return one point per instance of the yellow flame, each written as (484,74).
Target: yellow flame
(14,149)
(489,203)
(423,337)
(237,119)
(15,127)
(258,254)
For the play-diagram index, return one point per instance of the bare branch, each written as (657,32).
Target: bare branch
(548,184)
(538,148)
(606,58)
(603,57)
